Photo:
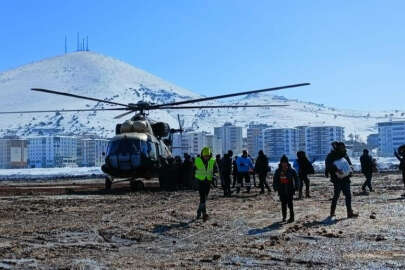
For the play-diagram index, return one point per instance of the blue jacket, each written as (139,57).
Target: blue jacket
(244,164)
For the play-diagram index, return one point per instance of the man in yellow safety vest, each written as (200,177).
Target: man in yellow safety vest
(205,167)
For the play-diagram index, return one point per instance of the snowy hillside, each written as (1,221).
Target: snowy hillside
(95,75)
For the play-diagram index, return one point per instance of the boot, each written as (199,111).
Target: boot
(351,214)
(291,219)
(198,214)
(332,210)
(300,195)
(307,194)
(248,189)
(284,213)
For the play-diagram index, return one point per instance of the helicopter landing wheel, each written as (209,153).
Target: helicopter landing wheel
(108,183)
(137,185)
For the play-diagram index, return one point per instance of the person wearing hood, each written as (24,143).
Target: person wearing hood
(304,168)
(205,167)
(338,167)
(262,168)
(366,162)
(284,183)
(245,166)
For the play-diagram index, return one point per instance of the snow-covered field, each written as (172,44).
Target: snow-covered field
(384,164)
(50,173)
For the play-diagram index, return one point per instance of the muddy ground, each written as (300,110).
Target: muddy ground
(83,227)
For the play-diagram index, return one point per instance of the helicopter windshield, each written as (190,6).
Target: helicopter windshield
(125,145)
(131,146)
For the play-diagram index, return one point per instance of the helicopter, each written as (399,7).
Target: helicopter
(140,145)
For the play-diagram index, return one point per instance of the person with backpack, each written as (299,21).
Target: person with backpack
(245,166)
(284,182)
(366,162)
(400,154)
(262,168)
(304,169)
(338,167)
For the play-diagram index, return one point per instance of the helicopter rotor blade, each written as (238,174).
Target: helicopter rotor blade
(124,114)
(229,95)
(77,96)
(61,111)
(220,106)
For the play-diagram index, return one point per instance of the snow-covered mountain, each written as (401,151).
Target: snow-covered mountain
(95,75)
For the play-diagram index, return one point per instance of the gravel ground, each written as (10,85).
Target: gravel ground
(88,228)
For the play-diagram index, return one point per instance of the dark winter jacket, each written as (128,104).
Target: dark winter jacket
(262,165)
(226,165)
(330,168)
(305,167)
(234,167)
(285,189)
(366,162)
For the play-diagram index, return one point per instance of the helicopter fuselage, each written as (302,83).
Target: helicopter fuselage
(134,155)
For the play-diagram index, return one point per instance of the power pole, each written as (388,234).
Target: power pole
(87,43)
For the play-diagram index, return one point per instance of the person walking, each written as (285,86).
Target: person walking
(218,175)
(262,168)
(284,183)
(304,169)
(226,170)
(338,167)
(244,164)
(234,172)
(400,154)
(187,171)
(252,171)
(366,162)
(205,167)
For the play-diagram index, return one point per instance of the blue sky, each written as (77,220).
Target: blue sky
(351,51)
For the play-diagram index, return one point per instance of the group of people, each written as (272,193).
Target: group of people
(242,168)
(287,179)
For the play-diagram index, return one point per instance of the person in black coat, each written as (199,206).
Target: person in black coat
(187,171)
(400,154)
(234,171)
(366,162)
(262,168)
(304,168)
(284,183)
(226,171)
(340,184)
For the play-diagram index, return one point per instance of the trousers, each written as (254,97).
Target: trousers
(344,187)
(203,190)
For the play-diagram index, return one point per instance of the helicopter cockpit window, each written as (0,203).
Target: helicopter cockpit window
(129,146)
